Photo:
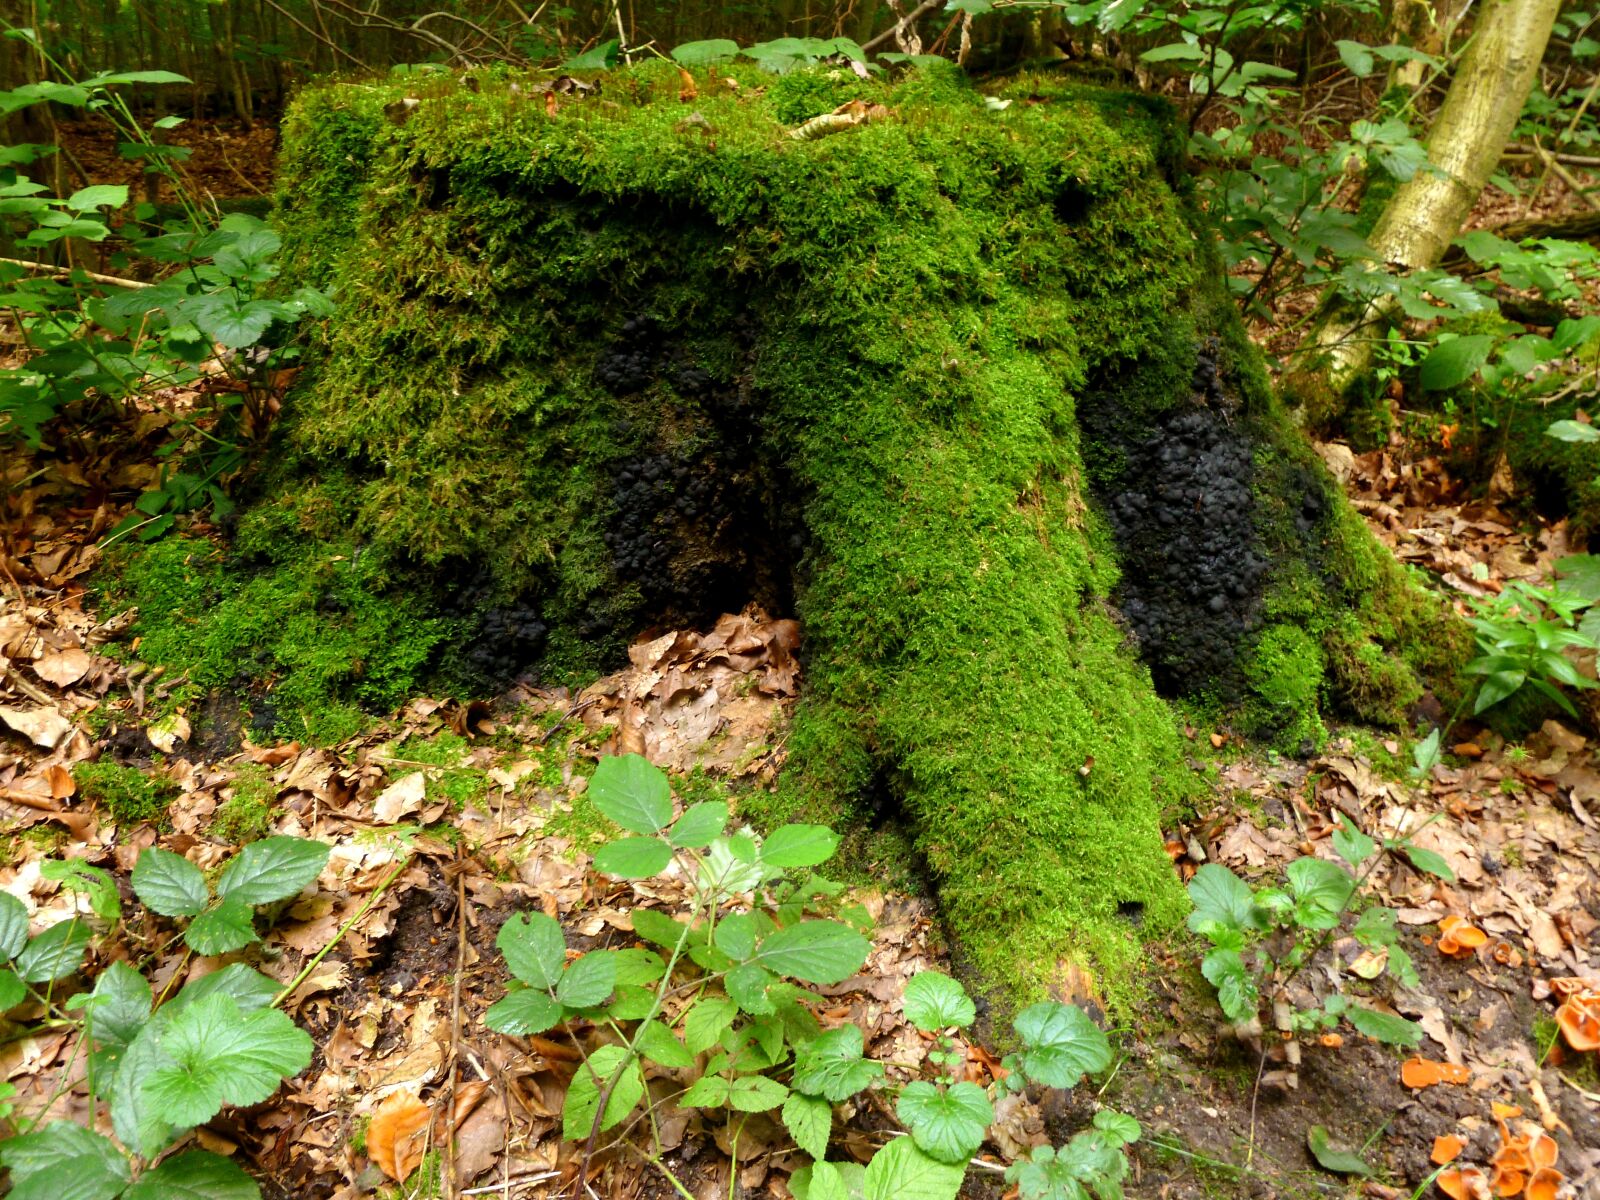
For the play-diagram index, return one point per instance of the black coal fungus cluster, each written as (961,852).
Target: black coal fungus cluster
(501,641)
(656,495)
(1184,515)
(629,363)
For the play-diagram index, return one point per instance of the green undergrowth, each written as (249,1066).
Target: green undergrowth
(872,347)
(246,815)
(131,795)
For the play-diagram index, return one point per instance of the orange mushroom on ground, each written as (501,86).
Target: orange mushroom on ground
(1467,1183)
(1447,1147)
(1579,1019)
(1459,938)
(1544,1183)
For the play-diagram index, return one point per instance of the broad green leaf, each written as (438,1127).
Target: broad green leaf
(633,858)
(55,953)
(1433,864)
(583,1094)
(707,1020)
(632,792)
(221,1055)
(799,846)
(1060,1044)
(229,926)
(114,195)
(1221,896)
(658,928)
(601,58)
(1174,52)
(1236,989)
(901,1171)
(756,1093)
(826,1183)
(700,54)
(140,1124)
(94,882)
(852,1176)
(12,990)
(933,1001)
(274,868)
(13,926)
(1355,56)
(111,77)
(195,1175)
(747,986)
(830,1065)
(1118,1126)
(1321,890)
(656,1042)
(1376,927)
(824,952)
(64,1161)
(630,1003)
(736,935)
(118,1007)
(524,1011)
(809,1120)
(1450,364)
(709,1091)
(1385,1027)
(1340,1162)
(169,883)
(1572,431)
(699,824)
(636,966)
(1351,844)
(947,1123)
(246,986)
(534,947)
(587,981)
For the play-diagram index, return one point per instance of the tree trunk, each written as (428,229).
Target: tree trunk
(960,387)
(1426,212)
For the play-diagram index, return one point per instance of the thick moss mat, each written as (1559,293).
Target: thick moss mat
(959,385)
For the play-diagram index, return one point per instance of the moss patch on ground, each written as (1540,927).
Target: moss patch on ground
(131,795)
(630,363)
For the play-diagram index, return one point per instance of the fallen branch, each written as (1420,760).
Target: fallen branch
(1552,162)
(1572,160)
(901,25)
(52,269)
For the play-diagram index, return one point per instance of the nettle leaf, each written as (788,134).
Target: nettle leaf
(587,981)
(169,884)
(583,1095)
(1222,897)
(799,846)
(229,926)
(195,1175)
(933,1001)
(55,953)
(948,1124)
(13,926)
(522,1012)
(1060,1044)
(633,858)
(831,1065)
(809,1120)
(707,1020)
(756,1093)
(700,824)
(1385,1027)
(274,868)
(824,952)
(901,1171)
(64,1161)
(534,948)
(1236,989)
(632,792)
(220,1055)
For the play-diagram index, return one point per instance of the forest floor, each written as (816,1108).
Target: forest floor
(446,818)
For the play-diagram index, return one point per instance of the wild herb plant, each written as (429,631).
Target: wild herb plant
(724,997)
(1263,938)
(160,1065)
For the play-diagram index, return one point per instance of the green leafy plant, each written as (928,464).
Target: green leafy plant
(1262,938)
(721,998)
(222,915)
(1523,637)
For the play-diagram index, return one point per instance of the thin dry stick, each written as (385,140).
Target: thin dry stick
(901,25)
(305,971)
(52,269)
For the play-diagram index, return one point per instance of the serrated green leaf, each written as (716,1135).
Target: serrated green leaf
(824,952)
(194,1175)
(55,953)
(1236,989)
(709,1091)
(747,985)
(140,1125)
(827,1182)
(700,824)
(522,1012)
(809,1120)
(1060,1044)
(229,926)
(1385,1027)
(534,948)
(583,1094)
(12,990)
(220,1055)
(947,1123)
(1118,1126)
(1221,896)
(707,1021)
(933,1001)
(1341,1162)
(656,1042)
(118,1007)
(799,846)
(64,1161)
(659,929)
(274,868)
(830,1065)
(99,195)
(633,858)
(94,882)
(1350,844)
(13,926)
(901,1171)
(636,966)
(756,1093)
(246,986)
(736,935)
(632,792)
(588,980)
(169,883)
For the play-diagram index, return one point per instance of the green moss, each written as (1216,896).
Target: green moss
(131,795)
(1285,675)
(444,754)
(246,814)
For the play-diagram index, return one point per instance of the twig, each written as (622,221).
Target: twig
(1572,160)
(1250,1154)
(489,1189)
(901,25)
(52,269)
(1554,166)
(567,716)
(305,972)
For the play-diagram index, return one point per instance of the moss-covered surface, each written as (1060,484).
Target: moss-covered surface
(132,796)
(639,362)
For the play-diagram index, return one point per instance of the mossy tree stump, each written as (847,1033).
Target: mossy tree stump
(960,386)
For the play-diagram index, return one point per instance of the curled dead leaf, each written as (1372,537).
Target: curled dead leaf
(397,1136)
(63,667)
